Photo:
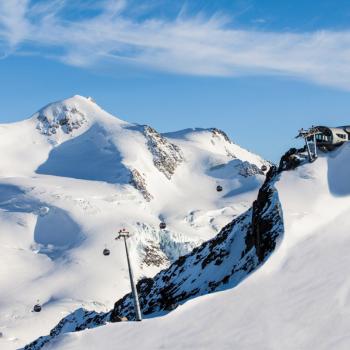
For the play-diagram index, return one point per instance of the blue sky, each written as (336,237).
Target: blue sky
(258,69)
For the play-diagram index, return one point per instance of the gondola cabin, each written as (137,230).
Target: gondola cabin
(37,308)
(162,225)
(106,252)
(219,188)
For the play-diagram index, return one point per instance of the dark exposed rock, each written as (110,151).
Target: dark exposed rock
(180,261)
(119,319)
(166,155)
(65,118)
(291,159)
(221,135)
(217,133)
(267,212)
(138,181)
(153,256)
(248,169)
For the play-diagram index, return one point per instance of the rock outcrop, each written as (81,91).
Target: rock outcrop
(266,217)
(63,117)
(166,155)
(247,169)
(139,182)
(219,133)
(292,159)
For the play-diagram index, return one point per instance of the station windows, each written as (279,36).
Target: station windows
(342,136)
(322,138)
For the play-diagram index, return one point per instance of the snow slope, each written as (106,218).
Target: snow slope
(299,299)
(72,175)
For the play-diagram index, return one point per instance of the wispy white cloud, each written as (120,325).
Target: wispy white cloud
(195,44)
(13,21)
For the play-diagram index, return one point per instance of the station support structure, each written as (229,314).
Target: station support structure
(309,137)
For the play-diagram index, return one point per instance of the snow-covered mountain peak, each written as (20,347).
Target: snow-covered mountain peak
(72,114)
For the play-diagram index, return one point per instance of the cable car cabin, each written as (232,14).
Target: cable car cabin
(219,188)
(106,252)
(329,138)
(37,308)
(162,225)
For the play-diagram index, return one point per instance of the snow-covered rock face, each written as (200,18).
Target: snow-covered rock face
(220,134)
(160,248)
(166,156)
(221,137)
(64,117)
(138,181)
(247,169)
(79,175)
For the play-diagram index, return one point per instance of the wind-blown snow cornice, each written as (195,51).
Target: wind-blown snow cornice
(194,45)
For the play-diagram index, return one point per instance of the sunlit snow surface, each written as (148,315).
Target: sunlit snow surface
(299,299)
(65,191)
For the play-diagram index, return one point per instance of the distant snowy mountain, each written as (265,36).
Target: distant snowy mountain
(72,175)
(287,257)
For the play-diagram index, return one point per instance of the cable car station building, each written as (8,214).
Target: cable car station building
(327,136)
(323,137)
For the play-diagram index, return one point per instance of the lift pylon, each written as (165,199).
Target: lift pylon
(124,234)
